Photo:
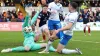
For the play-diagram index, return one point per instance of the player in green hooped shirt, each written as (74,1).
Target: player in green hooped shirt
(28,44)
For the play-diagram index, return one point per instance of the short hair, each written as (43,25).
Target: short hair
(74,5)
(45,5)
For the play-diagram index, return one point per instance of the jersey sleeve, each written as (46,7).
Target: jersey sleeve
(61,10)
(34,18)
(26,22)
(39,16)
(49,7)
(72,19)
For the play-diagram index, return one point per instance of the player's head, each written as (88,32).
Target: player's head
(86,10)
(56,1)
(72,6)
(45,8)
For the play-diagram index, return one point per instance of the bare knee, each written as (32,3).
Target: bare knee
(59,48)
(27,48)
(58,51)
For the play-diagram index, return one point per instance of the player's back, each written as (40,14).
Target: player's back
(71,17)
(57,8)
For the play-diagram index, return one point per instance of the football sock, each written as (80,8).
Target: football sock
(67,51)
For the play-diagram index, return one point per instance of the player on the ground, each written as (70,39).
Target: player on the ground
(66,32)
(28,44)
(41,25)
(85,15)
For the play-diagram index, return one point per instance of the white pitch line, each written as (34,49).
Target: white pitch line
(85,41)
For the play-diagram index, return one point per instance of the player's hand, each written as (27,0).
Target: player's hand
(56,31)
(36,31)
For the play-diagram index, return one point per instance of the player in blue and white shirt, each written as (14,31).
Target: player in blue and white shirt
(66,32)
(54,22)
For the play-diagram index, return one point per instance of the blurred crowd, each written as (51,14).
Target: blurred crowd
(7,3)
(11,16)
(28,3)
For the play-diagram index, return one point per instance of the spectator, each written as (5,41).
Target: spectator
(14,13)
(13,19)
(97,14)
(20,17)
(38,4)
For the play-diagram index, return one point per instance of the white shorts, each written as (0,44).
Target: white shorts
(41,29)
(85,25)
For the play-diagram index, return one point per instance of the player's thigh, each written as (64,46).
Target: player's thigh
(28,43)
(55,36)
(36,46)
(65,39)
(88,24)
(84,25)
(45,29)
(50,25)
(57,25)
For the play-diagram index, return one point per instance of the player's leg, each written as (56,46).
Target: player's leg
(61,49)
(43,34)
(55,25)
(20,48)
(16,49)
(41,45)
(51,39)
(89,30)
(61,46)
(38,34)
(84,25)
(46,32)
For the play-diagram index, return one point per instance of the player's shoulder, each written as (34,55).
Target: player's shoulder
(60,4)
(74,15)
(52,3)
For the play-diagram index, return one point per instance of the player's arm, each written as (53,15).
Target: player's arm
(38,21)
(69,25)
(61,10)
(37,24)
(50,8)
(34,18)
(66,27)
(26,21)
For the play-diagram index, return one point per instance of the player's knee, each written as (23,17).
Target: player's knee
(27,48)
(43,45)
(58,51)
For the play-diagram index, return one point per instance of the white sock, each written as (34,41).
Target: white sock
(67,51)
(48,45)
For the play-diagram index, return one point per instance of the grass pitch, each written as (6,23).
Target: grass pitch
(89,45)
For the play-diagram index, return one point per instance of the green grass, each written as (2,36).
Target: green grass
(14,39)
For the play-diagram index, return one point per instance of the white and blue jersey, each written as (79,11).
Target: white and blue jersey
(66,35)
(54,21)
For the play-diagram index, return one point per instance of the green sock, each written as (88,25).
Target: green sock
(20,48)
(52,49)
